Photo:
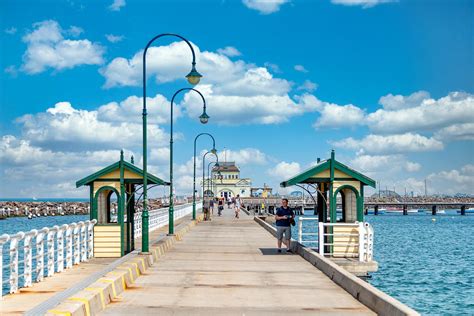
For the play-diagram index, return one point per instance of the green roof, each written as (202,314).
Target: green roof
(127,166)
(307,175)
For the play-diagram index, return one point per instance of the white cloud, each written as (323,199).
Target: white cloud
(130,110)
(300,68)
(392,102)
(458,181)
(239,110)
(229,51)
(337,116)
(47,48)
(362,3)
(114,38)
(456,132)
(171,62)
(308,85)
(430,115)
(244,156)
(56,171)
(11,30)
(378,144)
(264,6)
(284,170)
(385,165)
(63,127)
(117,5)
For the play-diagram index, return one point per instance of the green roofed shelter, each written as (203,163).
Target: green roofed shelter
(114,232)
(331,178)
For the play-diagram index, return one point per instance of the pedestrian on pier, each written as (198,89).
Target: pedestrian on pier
(211,205)
(237,205)
(220,206)
(283,217)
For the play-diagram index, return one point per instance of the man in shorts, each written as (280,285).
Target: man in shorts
(282,217)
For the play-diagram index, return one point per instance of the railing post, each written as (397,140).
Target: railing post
(83,244)
(40,254)
(28,258)
(14,262)
(321,238)
(3,239)
(69,245)
(61,237)
(362,241)
(90,238)
(370,242)
(50,249)
(300,230)
(76,242)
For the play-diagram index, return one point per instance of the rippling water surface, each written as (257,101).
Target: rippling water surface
(425,261)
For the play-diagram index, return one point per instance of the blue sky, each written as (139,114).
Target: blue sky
(388,84)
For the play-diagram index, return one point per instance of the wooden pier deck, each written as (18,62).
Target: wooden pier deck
(230,266)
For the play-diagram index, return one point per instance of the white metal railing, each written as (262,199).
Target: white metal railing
(363,231)
(159,217)
(49,250)
(301,233)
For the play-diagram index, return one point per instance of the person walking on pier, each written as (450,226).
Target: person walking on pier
(220,206)
(283,217)
(211,205)
(237,205)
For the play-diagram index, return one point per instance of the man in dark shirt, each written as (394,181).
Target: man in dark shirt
(283,216)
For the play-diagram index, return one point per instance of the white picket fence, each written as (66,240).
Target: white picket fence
(66,245)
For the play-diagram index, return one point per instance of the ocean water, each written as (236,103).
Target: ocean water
(425,261)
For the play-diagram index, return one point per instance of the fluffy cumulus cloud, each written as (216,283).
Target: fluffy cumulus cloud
(264,6)
(333,115)
(64,127)
(130,110)
(244,156)
(422,113)
(47,48)
(284,170)
(117,5)
(459,180)
(57,171)
(382,144)
(384,164)
(362,3)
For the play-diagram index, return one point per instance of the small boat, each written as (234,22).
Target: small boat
(30,216)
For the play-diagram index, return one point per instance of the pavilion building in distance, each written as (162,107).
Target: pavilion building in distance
(226,181)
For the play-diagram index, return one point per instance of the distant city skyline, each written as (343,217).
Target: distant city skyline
(388,84)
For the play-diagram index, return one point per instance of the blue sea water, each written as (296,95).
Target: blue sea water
(425,261)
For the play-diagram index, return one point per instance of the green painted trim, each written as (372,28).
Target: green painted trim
(360,210)
(121,211)
(346,186)
(305,176)
(92,215)
(359,199)
(152,179)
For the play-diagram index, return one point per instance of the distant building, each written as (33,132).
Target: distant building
(226,181)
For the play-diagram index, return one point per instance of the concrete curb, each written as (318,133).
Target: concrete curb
(370,296)
(95,297)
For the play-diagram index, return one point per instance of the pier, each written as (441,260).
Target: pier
(222,266)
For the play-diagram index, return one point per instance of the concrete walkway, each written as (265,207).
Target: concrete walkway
(230,266)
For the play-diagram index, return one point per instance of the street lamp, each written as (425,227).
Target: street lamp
(203,167)
(210,180)
(171,207)
(194,174)
(193,78)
